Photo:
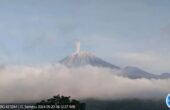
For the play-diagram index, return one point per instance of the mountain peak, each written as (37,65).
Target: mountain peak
(81,58)
(79,53)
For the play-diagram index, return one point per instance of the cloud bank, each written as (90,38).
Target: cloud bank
(33,83)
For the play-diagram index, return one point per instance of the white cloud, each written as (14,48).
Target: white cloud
(33,83)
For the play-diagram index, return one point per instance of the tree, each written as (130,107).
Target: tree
(60,103)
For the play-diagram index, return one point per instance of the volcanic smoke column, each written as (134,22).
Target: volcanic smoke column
(77,47)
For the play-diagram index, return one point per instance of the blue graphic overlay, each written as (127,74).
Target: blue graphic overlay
(168,100)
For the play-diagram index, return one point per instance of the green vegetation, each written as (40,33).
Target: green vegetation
(60,103)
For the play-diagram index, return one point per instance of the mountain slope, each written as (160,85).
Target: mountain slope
(134,73)
(85,58)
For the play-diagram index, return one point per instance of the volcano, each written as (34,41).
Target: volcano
(81,58)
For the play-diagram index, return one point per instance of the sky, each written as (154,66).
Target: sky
(123,32)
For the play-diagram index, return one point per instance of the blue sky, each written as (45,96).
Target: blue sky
(123,32)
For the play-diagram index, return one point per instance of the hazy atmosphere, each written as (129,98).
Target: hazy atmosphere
(124,51)
(133,32)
